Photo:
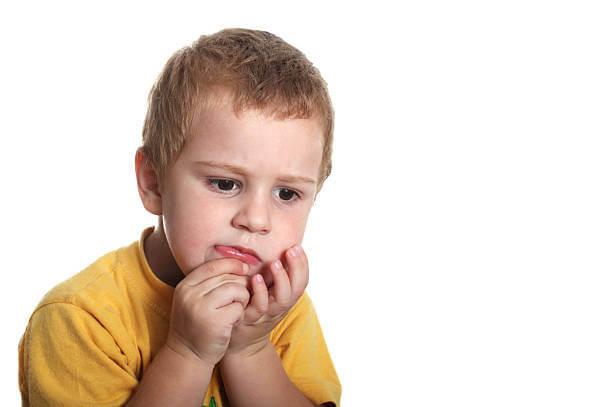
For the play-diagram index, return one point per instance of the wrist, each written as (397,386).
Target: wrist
(247,351)
(187,356)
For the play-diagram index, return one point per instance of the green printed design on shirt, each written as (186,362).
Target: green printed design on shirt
(211,403)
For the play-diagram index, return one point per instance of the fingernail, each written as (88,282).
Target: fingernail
(277,264)
(259,278)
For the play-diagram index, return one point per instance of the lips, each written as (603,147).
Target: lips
(241,253)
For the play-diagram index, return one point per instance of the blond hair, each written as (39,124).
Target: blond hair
(259,71)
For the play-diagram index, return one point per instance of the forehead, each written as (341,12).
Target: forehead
(256,138)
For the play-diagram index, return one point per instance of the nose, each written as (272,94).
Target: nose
(253,214)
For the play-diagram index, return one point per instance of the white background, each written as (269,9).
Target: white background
(460,251)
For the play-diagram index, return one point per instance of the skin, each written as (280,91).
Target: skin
(223,311)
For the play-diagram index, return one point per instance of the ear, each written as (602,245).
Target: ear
(148,185)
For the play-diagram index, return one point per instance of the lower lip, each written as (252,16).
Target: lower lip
(228,251)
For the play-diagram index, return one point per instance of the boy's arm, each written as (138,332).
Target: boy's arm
(172,379)
(259,379)
(206,305)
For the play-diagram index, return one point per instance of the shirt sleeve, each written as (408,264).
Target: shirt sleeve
(300,344)
(68,358)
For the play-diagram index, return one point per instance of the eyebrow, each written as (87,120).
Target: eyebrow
(243,171)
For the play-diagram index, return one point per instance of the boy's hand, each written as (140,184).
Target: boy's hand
(268,307)
(206,305)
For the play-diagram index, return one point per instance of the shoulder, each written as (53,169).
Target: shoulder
(100,289)
(88,282)
(88,314)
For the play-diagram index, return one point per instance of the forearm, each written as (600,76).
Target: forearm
(172,380)
(259,380)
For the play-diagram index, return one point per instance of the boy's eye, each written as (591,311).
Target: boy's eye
(223,184)
(286,194)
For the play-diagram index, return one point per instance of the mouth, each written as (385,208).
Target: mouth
(243,254)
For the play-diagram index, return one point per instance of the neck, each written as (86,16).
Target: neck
(160,258)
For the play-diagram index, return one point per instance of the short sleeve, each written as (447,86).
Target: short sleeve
(68,358)
(300,344)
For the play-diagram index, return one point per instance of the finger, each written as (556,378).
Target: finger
(215,268)
(207,286)
(259,300)
(282,286)
(228,293)
(297,269)
(233,313)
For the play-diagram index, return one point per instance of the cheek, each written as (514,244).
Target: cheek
(289,234)
(290,231)
(192,209)
(191,226)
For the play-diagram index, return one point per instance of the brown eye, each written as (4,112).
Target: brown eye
(286,194)
(226,185)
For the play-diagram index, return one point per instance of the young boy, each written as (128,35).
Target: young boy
(208,307)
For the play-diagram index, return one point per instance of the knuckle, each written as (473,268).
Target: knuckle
(236,309)
(225,289)
(224,266)
(233,279)
(233,288)
(237,264)
(246,295)
(212,268)
(284,302)
(232,264)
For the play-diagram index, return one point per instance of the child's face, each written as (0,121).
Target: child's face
(246,181)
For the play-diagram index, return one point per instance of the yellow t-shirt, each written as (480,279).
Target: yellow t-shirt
(91,338)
